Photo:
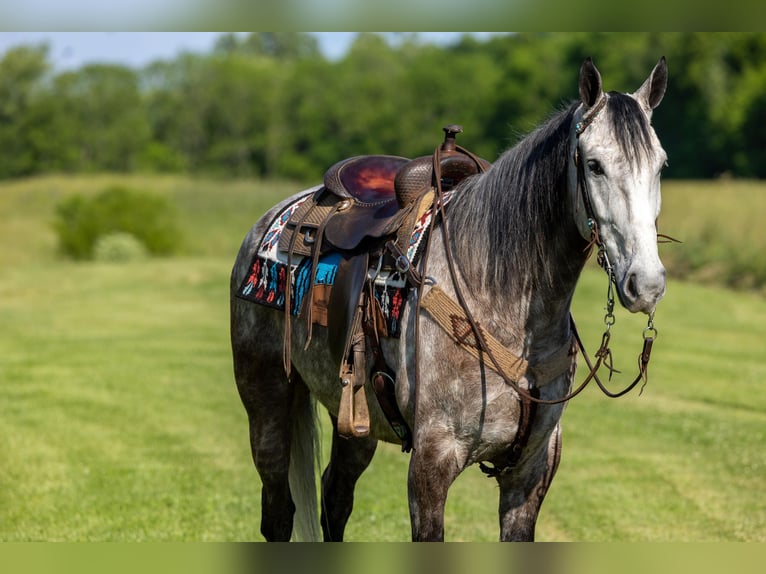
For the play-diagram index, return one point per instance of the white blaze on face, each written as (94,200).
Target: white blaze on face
(625,198)
(622,158)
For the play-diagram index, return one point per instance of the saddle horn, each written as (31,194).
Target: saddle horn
(416,177)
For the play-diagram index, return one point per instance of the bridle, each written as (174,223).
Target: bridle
(650,333)
(604,354)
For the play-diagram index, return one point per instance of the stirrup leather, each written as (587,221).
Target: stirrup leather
(353,413)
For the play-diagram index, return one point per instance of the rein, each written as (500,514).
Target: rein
(604,354)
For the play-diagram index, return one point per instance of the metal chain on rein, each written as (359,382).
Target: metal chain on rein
(604,353)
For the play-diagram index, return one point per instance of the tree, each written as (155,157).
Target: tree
(268,104)
(277,45)
(175,96)
(109,123)
(23,72)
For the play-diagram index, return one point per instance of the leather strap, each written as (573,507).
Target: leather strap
(603,355)
(403,264)
(452,318)
(353,414)
(382,376)
(287,342)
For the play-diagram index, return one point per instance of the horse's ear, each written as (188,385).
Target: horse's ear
(590,83)
(650,94)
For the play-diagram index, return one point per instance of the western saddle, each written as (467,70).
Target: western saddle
(366,211)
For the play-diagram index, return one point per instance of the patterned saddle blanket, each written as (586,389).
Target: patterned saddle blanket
(266,282)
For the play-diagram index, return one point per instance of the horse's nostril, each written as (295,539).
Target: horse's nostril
(632,287)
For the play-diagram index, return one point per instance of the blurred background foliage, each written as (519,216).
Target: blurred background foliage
(118,223)
(269,104)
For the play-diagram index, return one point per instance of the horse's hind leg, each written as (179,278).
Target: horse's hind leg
(268,399)
(268,402)
(348,460)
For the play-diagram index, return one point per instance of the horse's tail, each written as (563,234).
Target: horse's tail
(304,460)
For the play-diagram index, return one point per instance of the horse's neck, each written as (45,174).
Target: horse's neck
(530,290)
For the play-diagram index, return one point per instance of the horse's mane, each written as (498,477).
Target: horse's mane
(516,207)
(519,206)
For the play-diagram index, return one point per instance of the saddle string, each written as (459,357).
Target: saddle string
(308,305)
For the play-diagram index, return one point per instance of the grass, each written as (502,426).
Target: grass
(215,215)
(683,462)
(119,419)
(721,225)
(117,407)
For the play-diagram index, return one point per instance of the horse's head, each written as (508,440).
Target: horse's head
(618,162)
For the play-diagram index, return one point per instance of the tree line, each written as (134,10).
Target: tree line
(271,105)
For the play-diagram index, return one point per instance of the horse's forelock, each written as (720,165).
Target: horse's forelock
(630,127)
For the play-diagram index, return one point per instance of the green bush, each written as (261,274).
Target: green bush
(119,247)
(81,221)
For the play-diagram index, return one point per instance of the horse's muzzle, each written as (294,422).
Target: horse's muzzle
(641,289)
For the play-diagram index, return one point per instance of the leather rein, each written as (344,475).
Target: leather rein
(604,354)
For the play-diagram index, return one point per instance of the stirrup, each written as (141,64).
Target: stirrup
(353,414)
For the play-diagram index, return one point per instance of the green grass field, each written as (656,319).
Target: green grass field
(119,419)
(721,224)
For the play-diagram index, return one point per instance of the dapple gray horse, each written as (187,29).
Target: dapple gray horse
(518,235)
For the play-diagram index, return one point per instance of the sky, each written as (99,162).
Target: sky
(71,50)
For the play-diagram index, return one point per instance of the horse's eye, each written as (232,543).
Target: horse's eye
(595,167)
(664,165)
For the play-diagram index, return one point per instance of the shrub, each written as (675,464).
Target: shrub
(82,221)
(119,247)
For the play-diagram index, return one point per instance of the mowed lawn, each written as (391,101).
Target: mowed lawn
(120,421)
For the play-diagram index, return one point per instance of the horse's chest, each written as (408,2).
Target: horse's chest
(490,420)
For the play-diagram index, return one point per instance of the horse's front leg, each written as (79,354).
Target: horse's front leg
(432,470)
(522,492)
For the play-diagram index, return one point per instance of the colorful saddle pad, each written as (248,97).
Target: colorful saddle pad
(265,284)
